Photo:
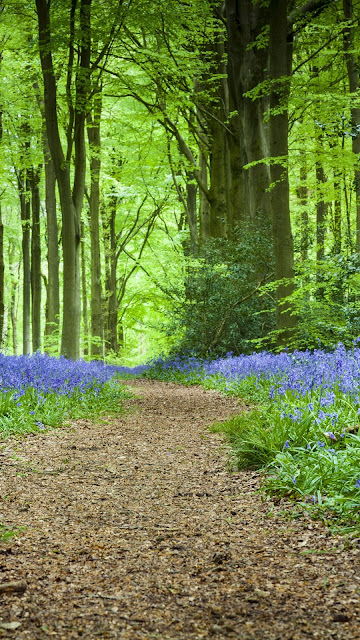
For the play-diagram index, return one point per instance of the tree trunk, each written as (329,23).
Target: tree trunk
(191,212)
(53,288)
(280,56)
(113,304)
(93,130)
(204,206)
(70,199)
(352,65)
(110,329)
(84,293)
(246,20)
(239,210)
(304,214)
(337,212)
(219,191)
(35,260)
(25,243)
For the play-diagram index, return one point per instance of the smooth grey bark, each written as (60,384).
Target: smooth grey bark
(25,215)
(84,294)
(53,260)
(191,212)
(52,317)
(321,213)
(204,204)
(219,190)
(302,194)
(337,213)
(35,260)
(93,131)
(247,68)
(14,280)
(70,198)
(280,64)
(110,328)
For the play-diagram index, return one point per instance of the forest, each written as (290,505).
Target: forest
(178,176)
(180,319)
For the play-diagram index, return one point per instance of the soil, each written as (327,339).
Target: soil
(136,527)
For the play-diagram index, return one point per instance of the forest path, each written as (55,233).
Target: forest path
(136,528)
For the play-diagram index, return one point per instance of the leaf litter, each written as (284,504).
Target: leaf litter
(137,528)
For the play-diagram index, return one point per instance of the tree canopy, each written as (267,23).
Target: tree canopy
(178,175)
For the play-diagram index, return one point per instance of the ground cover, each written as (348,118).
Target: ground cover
(302,427)
(39,391)
(135,529)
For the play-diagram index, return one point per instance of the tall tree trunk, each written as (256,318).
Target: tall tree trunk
(35,260)
(304,214)
(14,270)
(352,65)
(321,205)
(113,303)
(280,62)
(93,130)
(237,161)
(70,199)
(191,212)
(204,205)
(53,287)
(246,20)
(219,191)
(110,329)
(337,212)
(24,196)
(52,317)
(84,295)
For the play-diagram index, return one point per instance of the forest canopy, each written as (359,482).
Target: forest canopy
(178,176)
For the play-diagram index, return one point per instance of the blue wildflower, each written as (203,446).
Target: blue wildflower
(287,444)
(357,483)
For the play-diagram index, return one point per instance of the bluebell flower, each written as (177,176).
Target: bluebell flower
(287,444)
(357,483)
(321,444)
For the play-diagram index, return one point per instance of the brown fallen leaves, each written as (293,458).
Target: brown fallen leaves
(136,528)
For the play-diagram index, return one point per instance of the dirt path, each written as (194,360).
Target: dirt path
(136,529)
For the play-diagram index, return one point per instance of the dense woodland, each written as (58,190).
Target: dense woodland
(178,175)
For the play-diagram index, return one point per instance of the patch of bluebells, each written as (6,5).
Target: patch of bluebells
(46,374)
(301,383)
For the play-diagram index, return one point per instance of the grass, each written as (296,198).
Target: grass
(34,413)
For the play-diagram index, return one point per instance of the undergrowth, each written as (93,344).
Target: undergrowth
(301,425)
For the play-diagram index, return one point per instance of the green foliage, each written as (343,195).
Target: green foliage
(326,301)
(221,310)
(32,415)
(6,533)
